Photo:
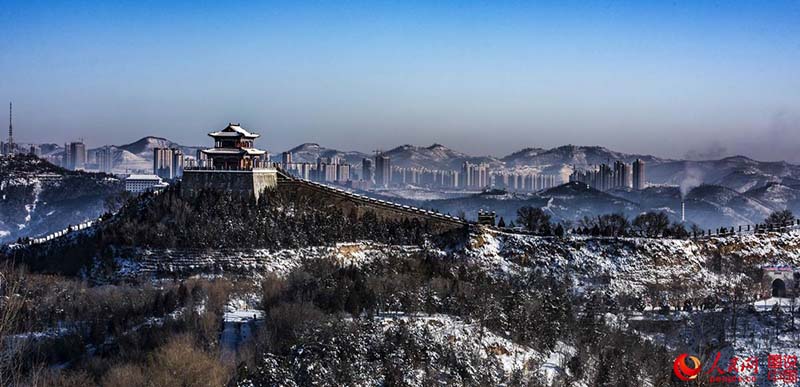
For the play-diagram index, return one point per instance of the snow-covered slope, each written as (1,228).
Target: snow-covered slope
(138,155)
(777,196)
(630,265)
(37,197)
(436,156)
(310,152)
(580,156)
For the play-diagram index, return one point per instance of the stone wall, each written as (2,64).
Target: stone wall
(350,203)
(247,183)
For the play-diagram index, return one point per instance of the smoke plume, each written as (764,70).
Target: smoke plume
(692,177)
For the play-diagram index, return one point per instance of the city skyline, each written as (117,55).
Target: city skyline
(703,80)
(710,154)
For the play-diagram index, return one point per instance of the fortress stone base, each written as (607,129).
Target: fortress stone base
(359,205)
(241,182)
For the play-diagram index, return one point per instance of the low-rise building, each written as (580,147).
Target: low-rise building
(144,183)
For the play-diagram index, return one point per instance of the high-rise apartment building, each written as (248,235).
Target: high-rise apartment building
(639,182)
(162,163)
(168,163)
(604,177)
(105,160)
(74,156)
(383,170)
(342,172)
(367,170)
(177,163)
(466,171)
(621,171)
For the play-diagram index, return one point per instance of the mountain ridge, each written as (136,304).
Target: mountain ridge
(737,172)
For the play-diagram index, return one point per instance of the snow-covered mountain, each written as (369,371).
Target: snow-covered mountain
(580,156)
(138,155)
(310,152)
(739,173)
(777,196)
(436,156)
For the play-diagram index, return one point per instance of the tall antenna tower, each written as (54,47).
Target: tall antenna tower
(10,131)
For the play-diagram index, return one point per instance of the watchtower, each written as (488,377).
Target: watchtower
(233,165)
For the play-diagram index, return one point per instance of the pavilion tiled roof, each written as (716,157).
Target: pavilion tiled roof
(234,130)
(232,151)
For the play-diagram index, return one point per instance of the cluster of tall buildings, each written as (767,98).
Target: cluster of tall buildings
(105,159)
(474,176)
(424,177)
(168,163)
(530,182)
(471,176)
(378,172)
(74,157)
(7,148)
(620,175)
(326,169)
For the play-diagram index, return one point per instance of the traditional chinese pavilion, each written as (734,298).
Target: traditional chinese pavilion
(232,166)
(233,149)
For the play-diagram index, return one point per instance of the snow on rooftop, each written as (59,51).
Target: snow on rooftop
(233,130)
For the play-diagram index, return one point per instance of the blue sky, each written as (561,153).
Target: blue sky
(710,78)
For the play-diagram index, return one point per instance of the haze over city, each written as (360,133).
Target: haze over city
(399,193)
(680,79)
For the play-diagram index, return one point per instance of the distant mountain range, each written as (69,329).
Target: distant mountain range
(310,152)
(738,173)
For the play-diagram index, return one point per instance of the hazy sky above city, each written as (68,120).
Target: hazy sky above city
(671,78)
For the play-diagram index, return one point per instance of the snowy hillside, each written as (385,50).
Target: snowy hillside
(436,156)
(138,155)
(310,152)
(37,197)
(631,265)
(145,145)
(580,156)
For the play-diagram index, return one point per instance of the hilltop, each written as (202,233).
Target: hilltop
(37,197)
(436,156)
(310,152)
